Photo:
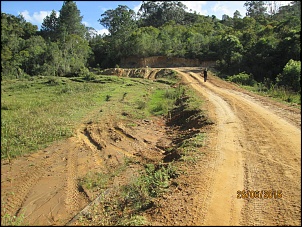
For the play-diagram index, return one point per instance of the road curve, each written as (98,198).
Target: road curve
(256,149)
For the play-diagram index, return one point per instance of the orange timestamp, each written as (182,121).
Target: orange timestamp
(259,194)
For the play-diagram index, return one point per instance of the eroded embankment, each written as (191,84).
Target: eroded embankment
(154,142)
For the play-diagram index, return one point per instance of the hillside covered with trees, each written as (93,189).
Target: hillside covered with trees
(265,45)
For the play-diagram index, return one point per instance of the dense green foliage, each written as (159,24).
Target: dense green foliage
(242,78)
(260,44)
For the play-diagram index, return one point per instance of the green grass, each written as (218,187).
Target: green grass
(189,148)
(8,220)
(163,100)
(280,94)
(37,112)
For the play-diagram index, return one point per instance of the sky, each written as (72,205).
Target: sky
(35,11)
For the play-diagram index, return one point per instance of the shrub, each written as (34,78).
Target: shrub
(291,75)
(243,79)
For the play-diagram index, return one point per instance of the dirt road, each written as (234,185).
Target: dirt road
(256,148)
(254,144)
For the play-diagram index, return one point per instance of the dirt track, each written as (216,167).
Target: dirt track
(255,149)
(254,144)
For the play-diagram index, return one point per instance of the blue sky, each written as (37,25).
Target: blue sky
(36,11)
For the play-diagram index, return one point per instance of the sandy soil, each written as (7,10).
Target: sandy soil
(254,144)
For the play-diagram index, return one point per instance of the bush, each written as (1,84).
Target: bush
(243,79)
(291,75)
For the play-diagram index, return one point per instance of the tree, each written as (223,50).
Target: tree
(49,27)
(75,52)
(230,54)
(90,33)
(13,33)
(120,23)
(32,55)
(70,20)
(237,15)
(120,20)
(255,9)
(158,13)
(144,42)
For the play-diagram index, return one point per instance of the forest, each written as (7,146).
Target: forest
(263,44)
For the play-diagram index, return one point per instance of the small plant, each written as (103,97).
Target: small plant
(189,148)
(66,89)
(94,181)
(141,105)
(124,95)
(107,98)
(8,220)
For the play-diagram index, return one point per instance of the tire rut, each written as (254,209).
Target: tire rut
(72,193)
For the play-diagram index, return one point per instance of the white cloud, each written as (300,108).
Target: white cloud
(36,17)
(102,31)
(196,6)
(221,8)
(228,7)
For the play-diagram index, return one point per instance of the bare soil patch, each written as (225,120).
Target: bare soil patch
(44,186)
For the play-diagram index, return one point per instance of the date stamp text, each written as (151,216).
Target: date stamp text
(259,194)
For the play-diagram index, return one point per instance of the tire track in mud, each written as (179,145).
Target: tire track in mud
(84,136)
(72,192)
(94,138)
(12,204)
(272,160)
(21,199)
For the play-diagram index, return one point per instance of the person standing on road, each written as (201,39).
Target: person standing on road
(205,74)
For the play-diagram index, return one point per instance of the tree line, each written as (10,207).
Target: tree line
(264,44)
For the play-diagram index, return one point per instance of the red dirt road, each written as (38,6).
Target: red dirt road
(257,147)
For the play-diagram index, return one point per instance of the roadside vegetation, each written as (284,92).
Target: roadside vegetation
(286,88)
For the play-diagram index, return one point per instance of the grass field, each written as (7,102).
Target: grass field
(36,112)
